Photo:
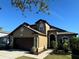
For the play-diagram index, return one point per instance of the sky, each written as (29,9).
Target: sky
(64,14)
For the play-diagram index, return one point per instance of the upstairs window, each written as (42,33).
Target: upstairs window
(41,27)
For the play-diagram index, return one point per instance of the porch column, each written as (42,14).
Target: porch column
(49,41)
(36,43)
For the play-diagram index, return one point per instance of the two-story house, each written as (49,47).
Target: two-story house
(39,35)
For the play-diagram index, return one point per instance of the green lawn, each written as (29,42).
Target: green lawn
(58,57)
(24,57)
(50,57)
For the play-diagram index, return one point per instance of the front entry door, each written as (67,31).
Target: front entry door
(52,41)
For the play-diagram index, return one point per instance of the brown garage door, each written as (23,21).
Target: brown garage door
(23,43)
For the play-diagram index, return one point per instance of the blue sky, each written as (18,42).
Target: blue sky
(64,14)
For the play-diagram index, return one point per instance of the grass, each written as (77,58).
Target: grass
(49,57)
(24,57)
(58,57)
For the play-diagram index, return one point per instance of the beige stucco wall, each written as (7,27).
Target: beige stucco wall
(42,40)
(47,27)
(42,43)
(23,32)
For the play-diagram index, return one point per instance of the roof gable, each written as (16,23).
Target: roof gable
(26,25)
(58,29)
(42,21)
(33,27)
(19,27)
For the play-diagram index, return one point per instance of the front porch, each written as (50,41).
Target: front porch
(52,39)
(56,41)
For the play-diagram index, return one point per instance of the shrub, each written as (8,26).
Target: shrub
(54,44)
(65,46)
(75,45)
(60,46)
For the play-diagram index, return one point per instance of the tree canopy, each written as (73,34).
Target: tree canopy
(40,5)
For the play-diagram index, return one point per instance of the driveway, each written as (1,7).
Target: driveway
(12,54)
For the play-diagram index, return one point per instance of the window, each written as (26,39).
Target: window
(41,27)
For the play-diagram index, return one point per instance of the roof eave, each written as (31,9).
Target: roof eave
(35,30)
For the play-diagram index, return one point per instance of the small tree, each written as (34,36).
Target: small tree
(75,45)
(54,44)
(65,46)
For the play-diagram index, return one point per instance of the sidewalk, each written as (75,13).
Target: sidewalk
(44,54)
(15,54)
(40,56)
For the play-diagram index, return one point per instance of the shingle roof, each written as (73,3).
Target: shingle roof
(29,27)
(19,27)
(34,30)
(62,33)
(58,29)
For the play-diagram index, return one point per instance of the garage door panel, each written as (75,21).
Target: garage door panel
(23,43)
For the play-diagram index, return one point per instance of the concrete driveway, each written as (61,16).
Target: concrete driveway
(12,54)
(5,54)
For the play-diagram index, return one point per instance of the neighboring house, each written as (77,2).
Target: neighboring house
(4,40)
(39,35)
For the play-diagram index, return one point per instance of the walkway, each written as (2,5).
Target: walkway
(15,54)
(44,54)
(40,56)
